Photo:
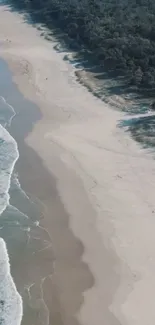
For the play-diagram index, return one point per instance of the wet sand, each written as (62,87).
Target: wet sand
(61,267)
(65,277)
(46,258)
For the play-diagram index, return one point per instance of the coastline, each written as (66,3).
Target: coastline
(65,249)
(101,185)
(64,297)
(68,302)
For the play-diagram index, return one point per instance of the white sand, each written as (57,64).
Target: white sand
(101,163)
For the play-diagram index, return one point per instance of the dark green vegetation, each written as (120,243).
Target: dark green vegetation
(142,129)
(119,34)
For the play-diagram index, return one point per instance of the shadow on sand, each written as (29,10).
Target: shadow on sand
(142,129)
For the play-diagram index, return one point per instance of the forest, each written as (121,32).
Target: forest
(119,34)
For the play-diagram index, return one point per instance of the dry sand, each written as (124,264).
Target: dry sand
(104,179)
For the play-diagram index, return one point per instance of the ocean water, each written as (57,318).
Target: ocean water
(21,238)
(26,256)
(11,309)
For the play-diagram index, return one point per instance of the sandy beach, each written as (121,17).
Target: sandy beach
(96,185)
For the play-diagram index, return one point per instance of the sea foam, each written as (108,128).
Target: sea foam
(7,112)
(10,300)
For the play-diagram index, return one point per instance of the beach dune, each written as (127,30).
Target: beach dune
(99,193)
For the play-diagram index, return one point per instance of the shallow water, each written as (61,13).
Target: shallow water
(21,237)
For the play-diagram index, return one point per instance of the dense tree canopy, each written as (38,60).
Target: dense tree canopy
(119,33)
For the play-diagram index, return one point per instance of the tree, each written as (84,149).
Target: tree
(119,34)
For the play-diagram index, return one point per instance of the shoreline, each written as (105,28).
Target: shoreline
(67,304)
(31,181)
(102,178)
